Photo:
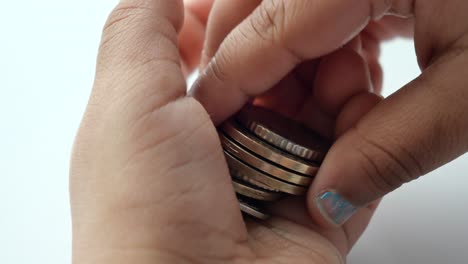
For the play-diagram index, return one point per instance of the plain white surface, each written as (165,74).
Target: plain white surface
(47,58)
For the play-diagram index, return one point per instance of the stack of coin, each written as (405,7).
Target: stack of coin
(269,156)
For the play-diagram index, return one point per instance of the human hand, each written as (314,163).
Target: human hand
(148,180)
(414,131)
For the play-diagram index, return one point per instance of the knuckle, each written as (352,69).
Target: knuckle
(216,66)
(379,8)
(386,167)
(272,22)
(268,21)
(121,18)
(402,7)
(136,25)
(120,30)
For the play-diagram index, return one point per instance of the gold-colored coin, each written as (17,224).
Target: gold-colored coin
(266,151)
(264,166)
(283,133)
(252,210)
(259,178)
(246,189)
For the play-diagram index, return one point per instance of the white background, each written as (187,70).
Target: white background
(47,58)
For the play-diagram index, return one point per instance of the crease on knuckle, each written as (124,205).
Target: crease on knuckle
(216,67)
(120,20)
(386,168)
(134,25)
(402,7)
(271,25)
(122,13)
(269,20)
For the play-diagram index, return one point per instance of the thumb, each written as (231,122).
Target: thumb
(414,131)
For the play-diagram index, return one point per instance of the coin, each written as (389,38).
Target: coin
(283,133)
(264,166)
(251,209)
(246,189)
(266,151)
(259,178)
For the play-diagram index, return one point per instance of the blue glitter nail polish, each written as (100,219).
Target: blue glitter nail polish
(335,208)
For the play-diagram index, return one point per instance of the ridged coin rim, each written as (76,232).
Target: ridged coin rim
(271,169)
(266,151)
(253,118)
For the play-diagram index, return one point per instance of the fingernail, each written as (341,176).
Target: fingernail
(335,208)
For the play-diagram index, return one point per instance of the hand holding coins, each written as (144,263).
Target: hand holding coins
(148,171)
(269,156)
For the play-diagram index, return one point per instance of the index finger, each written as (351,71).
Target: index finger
(269,43)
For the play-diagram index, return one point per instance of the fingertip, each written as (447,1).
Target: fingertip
(200,8)
(329,208)
(219,101)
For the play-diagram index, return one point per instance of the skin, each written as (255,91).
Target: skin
(379,145)
(148,180)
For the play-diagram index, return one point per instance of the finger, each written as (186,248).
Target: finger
(191,41)
(285,98)
(331,92)
(138,63)
(269,43)
(192,35)
(200,9)
(404,137)
(293,97)
(390,27)
(354,109)
(376,74)
(371,53)
(226,15)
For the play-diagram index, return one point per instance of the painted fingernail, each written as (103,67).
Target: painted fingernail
(335,208)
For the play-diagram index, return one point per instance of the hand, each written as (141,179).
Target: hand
(149,182)
(379,146)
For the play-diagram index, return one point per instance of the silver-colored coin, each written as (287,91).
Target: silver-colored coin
(251,191)
(283,133)
(269,168)
(266,151)
(253,210)
(259,178)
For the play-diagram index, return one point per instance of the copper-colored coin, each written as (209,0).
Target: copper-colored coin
(246,189)
(262,165)
(283,133)
(266,151)
(252,210)
(258,178)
